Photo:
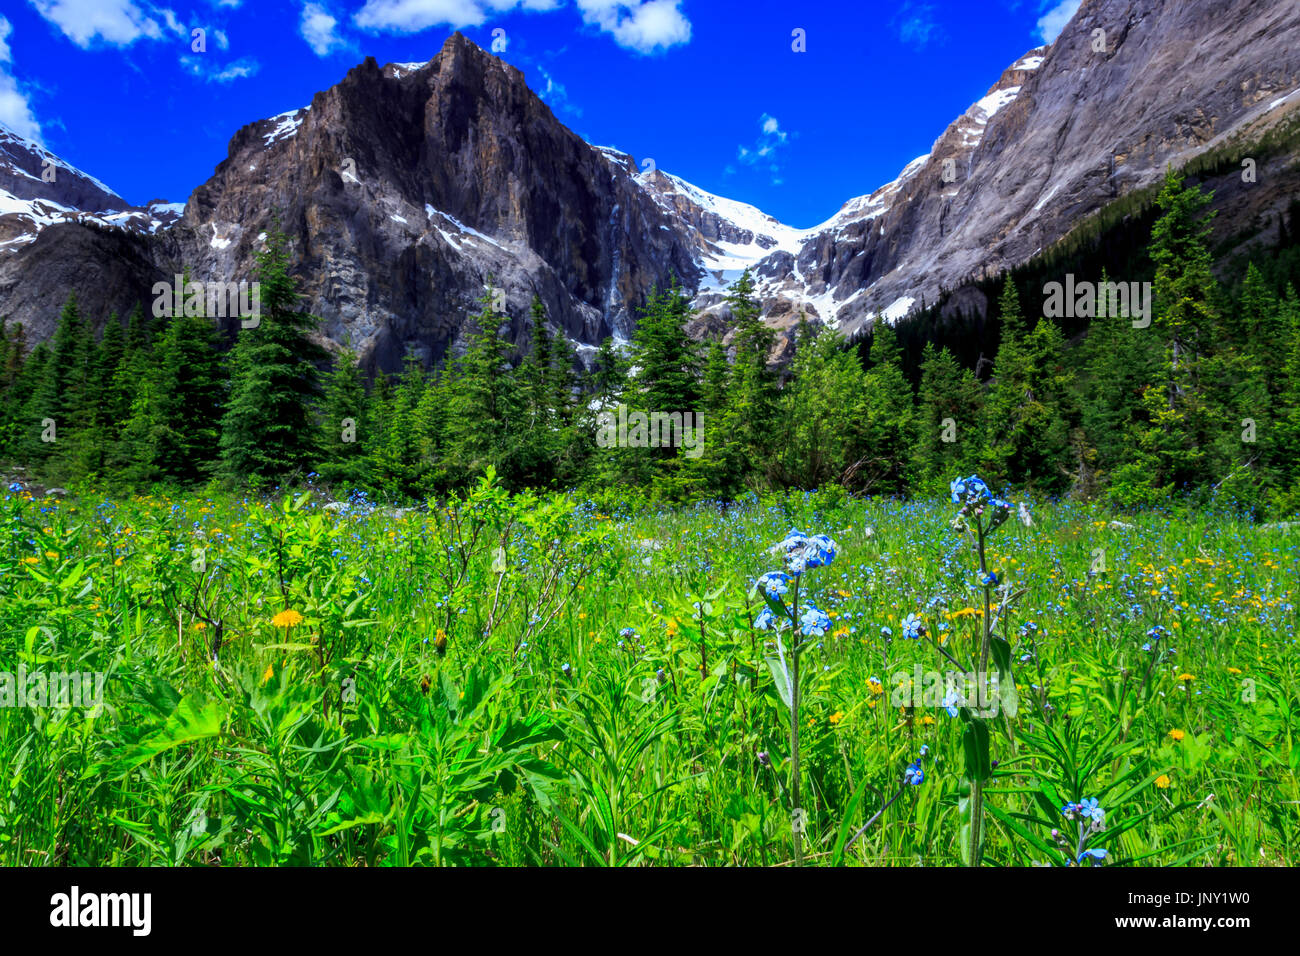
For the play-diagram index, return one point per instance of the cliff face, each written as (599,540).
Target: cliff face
(405,190)
(1064,131)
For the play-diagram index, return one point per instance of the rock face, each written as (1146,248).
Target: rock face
(405,190)
(1065,130)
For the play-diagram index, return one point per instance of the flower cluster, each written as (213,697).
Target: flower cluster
(971,491)
(1153,637)
(1086,809)
(976,499)
(914,775)
(802,552)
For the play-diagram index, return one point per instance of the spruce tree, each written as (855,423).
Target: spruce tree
(1173,449)
(268,430)
(484,405)
(948,421)
(341,454)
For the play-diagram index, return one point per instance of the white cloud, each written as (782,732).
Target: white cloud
(555,95)
(245,66)
(15,111)
(6,28)
(412,16)
(641,26)
(198,66)
(916,24)
(318,29)
(174,24)
(1051,23)
(112,22)
(645,26)
(763,152)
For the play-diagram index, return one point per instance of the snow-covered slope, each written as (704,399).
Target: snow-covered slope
(732,236)
(39,189)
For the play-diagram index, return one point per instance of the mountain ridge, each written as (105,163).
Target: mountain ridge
(407,189)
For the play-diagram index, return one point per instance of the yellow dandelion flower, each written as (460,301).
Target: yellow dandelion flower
(1234,670)
(1177,735)
(1186,678)
(836,717)
(268,673)
(288,618)
(1162,781)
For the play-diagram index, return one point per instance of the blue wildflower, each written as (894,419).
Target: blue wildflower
(814,622)
(913,628)
(774,584)
(973,490)
(914,775)
(951,701)
(1095,855)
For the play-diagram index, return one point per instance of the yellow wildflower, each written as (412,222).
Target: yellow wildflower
(288,618)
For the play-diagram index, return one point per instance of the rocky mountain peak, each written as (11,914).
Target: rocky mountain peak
(408,190)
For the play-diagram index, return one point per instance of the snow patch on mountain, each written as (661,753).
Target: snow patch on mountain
(287,124)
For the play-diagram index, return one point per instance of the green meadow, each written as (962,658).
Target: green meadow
(507,679)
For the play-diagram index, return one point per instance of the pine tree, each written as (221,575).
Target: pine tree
(1173,449)
(821,415)
(484,405)
(1118,361)
(749,412)
(13,356)
(667,382)
(889,420)
(609,372)
(948,419)
(341,453)
(1025,415)
(62,403)
(268,431)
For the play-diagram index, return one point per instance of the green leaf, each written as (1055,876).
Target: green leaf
(195,718)
(781,678)
(1007,695)
(975,745)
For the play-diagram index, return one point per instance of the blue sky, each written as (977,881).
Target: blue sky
(711,90)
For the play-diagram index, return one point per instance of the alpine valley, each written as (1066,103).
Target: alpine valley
(405,189)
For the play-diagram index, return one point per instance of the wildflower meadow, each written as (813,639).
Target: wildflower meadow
(795,679)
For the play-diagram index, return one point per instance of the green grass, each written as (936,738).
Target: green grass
(419,710)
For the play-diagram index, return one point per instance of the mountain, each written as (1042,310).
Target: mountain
(38,189)
(407,189)
(1063,132)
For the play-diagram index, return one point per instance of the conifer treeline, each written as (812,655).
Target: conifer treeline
(1206,397)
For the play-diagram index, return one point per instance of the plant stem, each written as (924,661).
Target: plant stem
(977,786)
(796,827)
